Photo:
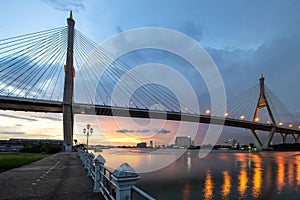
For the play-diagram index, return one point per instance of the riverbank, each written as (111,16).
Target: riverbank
(14,160)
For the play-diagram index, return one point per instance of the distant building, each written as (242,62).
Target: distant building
(151,143)
(183,142)
(141,145)
(15,144)
(232,142)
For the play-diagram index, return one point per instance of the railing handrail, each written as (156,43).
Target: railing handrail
(106,181)
(142,193)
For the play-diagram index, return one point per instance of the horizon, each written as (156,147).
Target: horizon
(261,41)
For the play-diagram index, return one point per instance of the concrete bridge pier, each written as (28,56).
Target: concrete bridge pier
(269,139)
(256,140)
(284,136)
(296,138)
(68,115)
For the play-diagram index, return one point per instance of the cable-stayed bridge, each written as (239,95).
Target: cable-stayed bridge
(33,68)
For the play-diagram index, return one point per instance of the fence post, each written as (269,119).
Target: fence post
(79,153)
(90,162)
(85,155)
(125,177)
(99,161)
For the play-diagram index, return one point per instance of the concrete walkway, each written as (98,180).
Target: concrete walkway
(60,176)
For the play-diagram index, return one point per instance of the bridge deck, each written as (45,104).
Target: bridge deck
(33,105)
(21,104)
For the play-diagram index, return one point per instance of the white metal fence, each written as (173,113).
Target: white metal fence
(116,185)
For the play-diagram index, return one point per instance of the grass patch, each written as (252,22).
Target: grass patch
(13,160)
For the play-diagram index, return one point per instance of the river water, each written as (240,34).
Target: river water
(219,175)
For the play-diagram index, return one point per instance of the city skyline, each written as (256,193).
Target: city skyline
(240,53)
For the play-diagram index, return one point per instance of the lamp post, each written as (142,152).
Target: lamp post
(88,131)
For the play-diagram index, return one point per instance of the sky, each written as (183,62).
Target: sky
(244,39)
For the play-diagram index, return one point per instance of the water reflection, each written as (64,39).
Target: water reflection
(223,175)
(209,186)
(243,177)
(269,177)
(280,174)
(189,164)
(142,160)
(298,169)
(291,174)
(257,176)
(226,185)
(186,191)
(243,180)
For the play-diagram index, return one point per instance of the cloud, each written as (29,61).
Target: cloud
(75,5)
(125,131)
(119,29)
(49,118)
(143,131)
(276,58)
(193,30)
(11,133)
(156,130)
(17,117)
(163,131)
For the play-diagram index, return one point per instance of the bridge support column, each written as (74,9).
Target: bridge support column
(269,139)
(68,117)
(257,141)
(283,135)
(296,138)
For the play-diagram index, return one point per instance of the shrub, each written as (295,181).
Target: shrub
(47,148)
(31,148)
(51,148)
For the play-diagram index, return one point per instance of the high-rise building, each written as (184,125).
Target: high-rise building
(232,142)
(151,143)
(183,141)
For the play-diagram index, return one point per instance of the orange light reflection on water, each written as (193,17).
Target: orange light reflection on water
(257,176)
(280,174)
(291,174)
(298,169)
(186,191)
(226,184)
(243,180)
(209,186)
(243,177)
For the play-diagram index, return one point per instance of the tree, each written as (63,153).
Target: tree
(252,146)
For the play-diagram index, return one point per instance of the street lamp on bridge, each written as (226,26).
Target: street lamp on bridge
(88,131)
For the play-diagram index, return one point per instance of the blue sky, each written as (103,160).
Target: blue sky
(244,38)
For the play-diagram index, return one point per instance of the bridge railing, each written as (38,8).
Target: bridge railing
(116,185)
(137,193)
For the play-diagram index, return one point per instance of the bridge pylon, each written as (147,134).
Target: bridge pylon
(68,115)
(263,103)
